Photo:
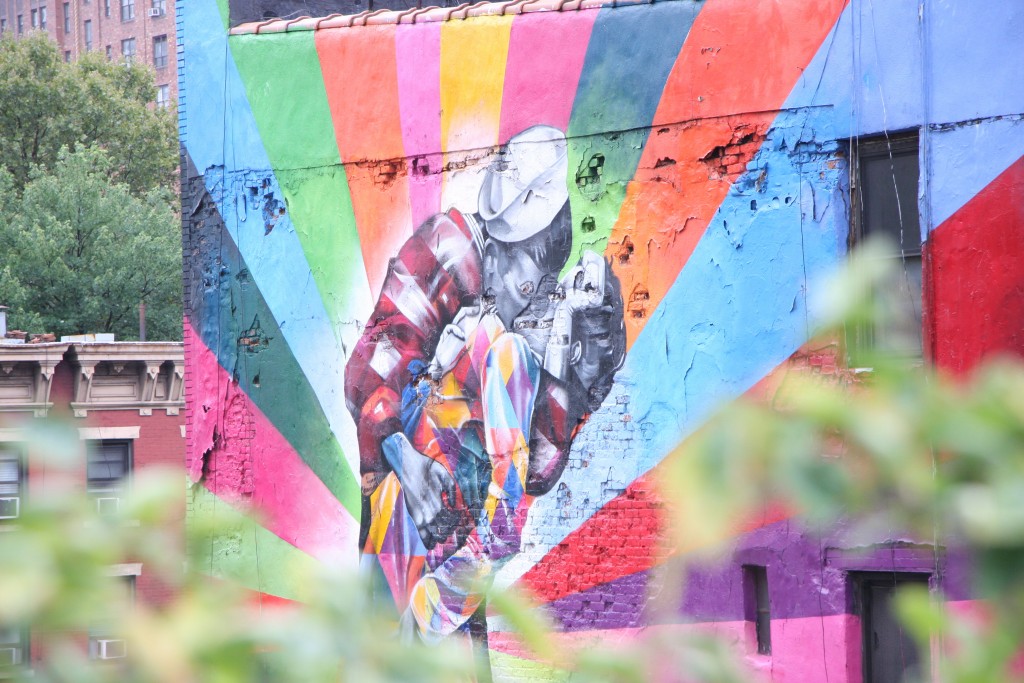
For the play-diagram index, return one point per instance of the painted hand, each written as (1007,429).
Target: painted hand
(428,488)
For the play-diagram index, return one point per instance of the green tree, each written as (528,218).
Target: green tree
(84,251)
(49,104)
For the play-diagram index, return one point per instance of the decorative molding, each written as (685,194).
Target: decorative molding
(100,433)
(124,569)
(13,435)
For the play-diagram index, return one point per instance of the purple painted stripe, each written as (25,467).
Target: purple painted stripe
(800,583)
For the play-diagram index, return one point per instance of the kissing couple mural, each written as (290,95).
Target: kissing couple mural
(478,365)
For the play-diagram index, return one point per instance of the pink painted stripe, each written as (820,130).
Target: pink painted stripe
(804,649)
(418,50)
(287,497)
(545,59)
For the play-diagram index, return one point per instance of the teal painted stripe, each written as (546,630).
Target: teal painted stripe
(629,58)
(234,321)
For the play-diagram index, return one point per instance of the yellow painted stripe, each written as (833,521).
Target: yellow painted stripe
(473,55)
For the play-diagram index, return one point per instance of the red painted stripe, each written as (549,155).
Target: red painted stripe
(361,78)
(624,537)
(974,270)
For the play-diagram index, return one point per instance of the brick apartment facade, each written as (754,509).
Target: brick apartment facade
(138,30)
(125,400)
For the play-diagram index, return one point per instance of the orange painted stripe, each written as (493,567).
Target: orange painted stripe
(361,77)
(750,67)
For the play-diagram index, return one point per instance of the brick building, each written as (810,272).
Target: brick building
(140,31)
(125,401)
(720,158)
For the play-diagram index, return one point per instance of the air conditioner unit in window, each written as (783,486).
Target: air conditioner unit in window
(10,507)
(155,12)
(108,506)
(10,656)
(111,648)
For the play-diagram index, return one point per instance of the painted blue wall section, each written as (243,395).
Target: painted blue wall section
(222,133)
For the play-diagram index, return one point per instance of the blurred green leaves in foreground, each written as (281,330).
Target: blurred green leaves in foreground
(896,447)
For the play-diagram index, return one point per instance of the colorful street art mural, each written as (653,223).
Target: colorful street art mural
(459,281)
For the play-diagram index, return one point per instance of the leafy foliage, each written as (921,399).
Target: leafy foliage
(85,250)
(87,178)
(907,446)
(49,104)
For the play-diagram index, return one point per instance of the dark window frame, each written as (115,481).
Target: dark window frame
(22,645)
(863,151)
(159,63)
(129,56)
(105,629)
(110,486)
(860,582)
(757,605)
(17,453)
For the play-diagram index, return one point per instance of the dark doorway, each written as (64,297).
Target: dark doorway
(890,654)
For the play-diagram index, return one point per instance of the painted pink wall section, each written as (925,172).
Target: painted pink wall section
(287,498)
(419,97)
(545,59)
(816,649)
(805,650)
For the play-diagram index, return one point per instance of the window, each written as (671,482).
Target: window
(110,53)
(757,606)
(88,35)
(128,50)
(67,55)
(3,26)
(884,201)
(12,483)
(105,642)
(106,8)
(35,18)
(107,470)
(888,652)
(67,17)
(127,10)
(21,24)
(160,6)
(160,52)
(13,649)
(163,96)
(42,17)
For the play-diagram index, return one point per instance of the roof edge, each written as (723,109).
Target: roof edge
(419,15)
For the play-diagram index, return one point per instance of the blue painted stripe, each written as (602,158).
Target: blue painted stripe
(222,133)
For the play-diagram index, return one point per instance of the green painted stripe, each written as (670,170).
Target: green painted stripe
(285,88)
(506,667)
(230,546)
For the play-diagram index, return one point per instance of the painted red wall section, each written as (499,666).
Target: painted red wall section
(975,263)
